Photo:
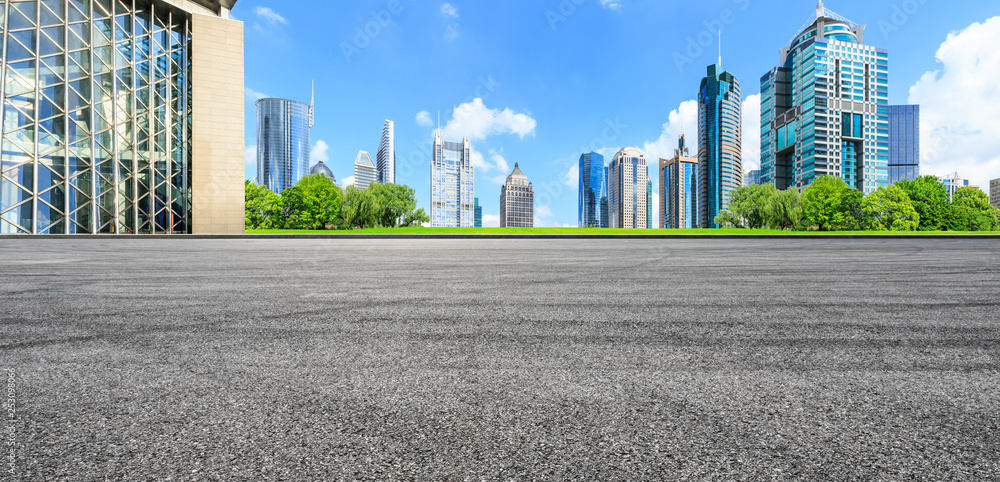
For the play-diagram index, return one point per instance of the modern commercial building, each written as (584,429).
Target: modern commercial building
(825,108)
(904,143)
(320,168)
(283,145)
(627,188)
(365,172)
(679,190)
(121,117)
(593,191)
(953,182)
(479,214)
(387,155)
(649,202)
(517,201)
(453,184)
(751,178)
(995,193)
(720,134)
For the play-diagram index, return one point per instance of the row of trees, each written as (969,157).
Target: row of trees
(316,202)
(829,204)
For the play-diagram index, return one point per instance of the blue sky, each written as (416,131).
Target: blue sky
(538,82)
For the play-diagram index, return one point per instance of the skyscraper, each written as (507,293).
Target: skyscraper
(995,193)
(904,143)
(517,201)
(952,182)
(627,188)
(479,214)
(751,178)
(453,184)
(720,150)
(649,202)
(593,191)
(387,155)
(283,147)
(679,190)
(121,118)
(825,109)
(364,171)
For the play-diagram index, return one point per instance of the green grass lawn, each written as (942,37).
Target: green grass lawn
(582,231)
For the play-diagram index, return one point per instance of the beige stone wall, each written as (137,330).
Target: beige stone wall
(218,129)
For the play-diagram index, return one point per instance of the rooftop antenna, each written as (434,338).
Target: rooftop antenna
(720,48)
(312,106)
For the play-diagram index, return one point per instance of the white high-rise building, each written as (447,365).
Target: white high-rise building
(627,190)
(364,171)
(387,155)
(453,184)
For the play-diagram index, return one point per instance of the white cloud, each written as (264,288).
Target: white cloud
(478,161)
(424,119)
(960,128)
(477,121)
(615,5)
(449,10)
(751,133)
(319,153)
(250,162)
(451,33)
(491,220)
(543,212)
(683,119)
(347,181)
(499,161)
(572,177)
(253,95)
(269,16)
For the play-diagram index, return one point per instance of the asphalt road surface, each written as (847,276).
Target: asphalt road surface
(788,359)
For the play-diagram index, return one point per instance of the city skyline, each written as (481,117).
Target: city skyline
(548,119)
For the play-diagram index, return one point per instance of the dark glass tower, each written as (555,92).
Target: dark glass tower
(283,147)
(720,151)
(593,191)
(904,143)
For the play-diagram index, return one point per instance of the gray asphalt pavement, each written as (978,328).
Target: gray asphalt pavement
(787,359)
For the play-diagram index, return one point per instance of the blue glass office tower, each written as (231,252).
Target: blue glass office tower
(679,190)
(720,147)
(649,203)
(825,109)
(479,214)
(593,191)
(282,142)
(904,143)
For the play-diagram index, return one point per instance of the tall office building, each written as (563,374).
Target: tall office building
(121,117)
(365,172)
(517,201)
(679,189)
(593,185)
(387,155)
(283,146)
(720,134)
(952,182)
(627,176)
(751,178)
(453,184)
(825,109)
(904,143)
(649,202)
(479,214)
(995,193)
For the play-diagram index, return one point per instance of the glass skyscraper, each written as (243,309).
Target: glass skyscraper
(453,184)
(386,157)
(283,146)
(649,203)
(593,191)
(517,201)
(825,109)
(751,178)
(102,129)
(479,214)
(365,172)
(627,189)
(720,150)
(679,190)
(904,143)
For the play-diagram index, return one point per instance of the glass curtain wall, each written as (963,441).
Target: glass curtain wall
(96,117)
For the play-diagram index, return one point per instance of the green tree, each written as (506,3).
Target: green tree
(415,218)
(852,210)
(726,219)
(263,207)
(784,209)
(395,202)
(749,203)
(973,207)
(930,199)
(822,202)
(360,209)
(313,203)
(889,209)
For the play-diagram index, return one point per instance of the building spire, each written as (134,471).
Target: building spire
(312,106)
(720,48)
(820,10)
